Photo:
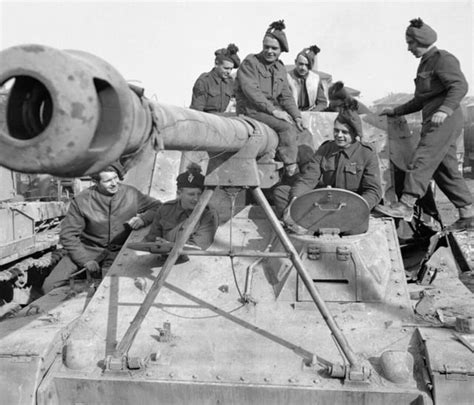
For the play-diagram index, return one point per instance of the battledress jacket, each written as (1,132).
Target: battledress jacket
(263,87)
(439,85)
(211,93)
(95,221)
(169,219)
(354,168)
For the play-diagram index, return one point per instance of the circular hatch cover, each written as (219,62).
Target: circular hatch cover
(331,208)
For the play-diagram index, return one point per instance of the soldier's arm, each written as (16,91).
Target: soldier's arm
(247,77)
(287,101)
(309,176)
(147,207)
(414,105)
(72,227)
(199,98)
(156,229)
(203,236)
(450,74)
(371,186)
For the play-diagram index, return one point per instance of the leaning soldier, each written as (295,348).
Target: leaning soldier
(263,93)
(169,218)
(97,224)
(339,99)
(306,85)
(440,86)
(213,90)
(344,162)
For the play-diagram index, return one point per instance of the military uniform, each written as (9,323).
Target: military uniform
(354,168)
(439,86)
(169,220)
(262,88)
(211,93)
(93,228)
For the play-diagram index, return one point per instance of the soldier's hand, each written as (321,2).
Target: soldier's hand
(389,112)
(282,115)
(300,124)
(290,223)
(438,117)
(92,266)
(286,216)
(136,222)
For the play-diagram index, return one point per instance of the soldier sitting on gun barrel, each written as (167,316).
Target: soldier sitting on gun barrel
(169,218)
(344,163)
(98,222)
(263,93)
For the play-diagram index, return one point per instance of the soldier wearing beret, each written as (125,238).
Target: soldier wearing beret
(306,85)
(263,93)
(439,88)
(213,90)
(169,218)
(339,99)
(344,163)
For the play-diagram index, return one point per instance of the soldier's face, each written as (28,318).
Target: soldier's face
(302,65)
(109,183)
(271,49)
(224,69)
(415,48)
(189,197)
(342,135)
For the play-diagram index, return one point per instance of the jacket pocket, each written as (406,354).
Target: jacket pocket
(277,86)
(353,175)
(423,81)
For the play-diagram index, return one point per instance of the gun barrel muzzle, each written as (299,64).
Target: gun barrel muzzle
(66,112)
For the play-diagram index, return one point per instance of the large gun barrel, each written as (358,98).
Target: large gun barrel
(69,113)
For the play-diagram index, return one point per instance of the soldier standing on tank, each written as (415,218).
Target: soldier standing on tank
(263,93)
(97,224)
(439,88)
(344,162)
(306,85)
(213,90)
(169,218)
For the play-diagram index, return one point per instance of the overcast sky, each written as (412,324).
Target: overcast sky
(166,45)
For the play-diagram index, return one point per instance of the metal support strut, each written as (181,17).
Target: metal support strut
(128,338)
(308,282)
(188,228)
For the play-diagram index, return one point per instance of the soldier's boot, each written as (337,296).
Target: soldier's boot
(465,221)
(402,209)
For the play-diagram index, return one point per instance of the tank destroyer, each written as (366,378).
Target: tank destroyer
(261,316)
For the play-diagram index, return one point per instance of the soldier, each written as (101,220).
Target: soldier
(439,88)
(98,222)
(344,163)
(263,93)
(169,218)
(213,90)
(339,99)
(306,85)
